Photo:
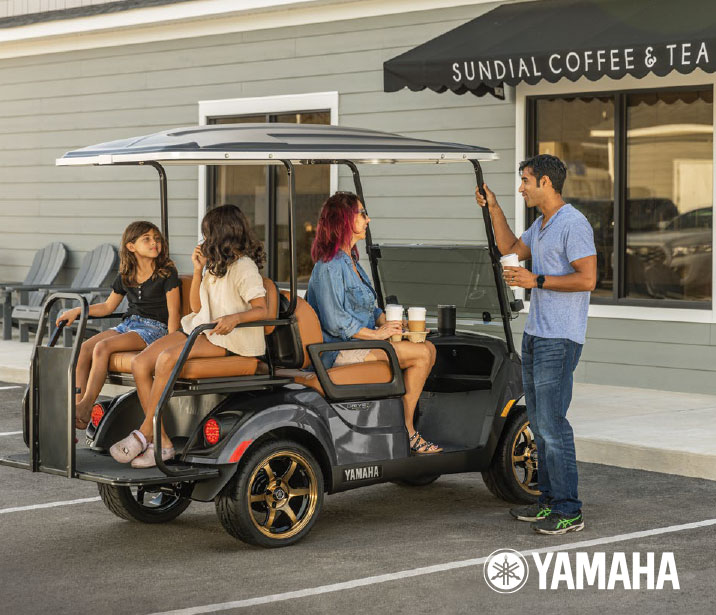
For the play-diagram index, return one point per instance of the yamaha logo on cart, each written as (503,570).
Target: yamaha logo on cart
(363,473)
(506,571)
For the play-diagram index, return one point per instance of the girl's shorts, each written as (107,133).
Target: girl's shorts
(349,357)
(148,329)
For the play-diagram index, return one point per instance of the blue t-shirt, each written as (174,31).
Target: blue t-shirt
(566,237)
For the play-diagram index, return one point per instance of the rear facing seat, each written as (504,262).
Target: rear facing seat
(309,330)
(214,367)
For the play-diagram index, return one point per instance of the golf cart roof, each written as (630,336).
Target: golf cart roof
(272,143)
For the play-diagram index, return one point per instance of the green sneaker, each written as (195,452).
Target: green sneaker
(557,523)
(533,512)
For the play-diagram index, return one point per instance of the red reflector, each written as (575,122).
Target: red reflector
(212,431)
(97,414)
(240,450)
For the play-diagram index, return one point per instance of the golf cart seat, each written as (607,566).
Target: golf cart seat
(212,367)
(307,331)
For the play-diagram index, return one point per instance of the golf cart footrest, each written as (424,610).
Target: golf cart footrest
(101,468)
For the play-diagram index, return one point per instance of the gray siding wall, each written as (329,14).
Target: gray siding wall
(51,104)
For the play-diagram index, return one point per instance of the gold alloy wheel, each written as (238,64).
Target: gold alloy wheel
(282,494)
(524,460)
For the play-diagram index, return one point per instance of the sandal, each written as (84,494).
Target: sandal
(127,449)
(146,459)
(421,446)
(81,423)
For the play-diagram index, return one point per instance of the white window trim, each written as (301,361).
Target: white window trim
(264,104)
(522,91)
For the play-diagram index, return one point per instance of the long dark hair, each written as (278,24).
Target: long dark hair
(227,237)
(335,227)
(128,261)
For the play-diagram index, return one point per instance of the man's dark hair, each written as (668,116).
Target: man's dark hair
(551,166)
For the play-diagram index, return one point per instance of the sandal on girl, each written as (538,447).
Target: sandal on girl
(420,446)
(146,459)
(127,449)
(81,423)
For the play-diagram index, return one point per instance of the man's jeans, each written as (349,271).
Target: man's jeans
(547,368)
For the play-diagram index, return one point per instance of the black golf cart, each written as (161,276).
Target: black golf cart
(266,438)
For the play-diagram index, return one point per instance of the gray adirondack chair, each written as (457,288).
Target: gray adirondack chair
(46,265)
(95,267)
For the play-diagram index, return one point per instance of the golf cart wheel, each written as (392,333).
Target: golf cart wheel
(275,496)
(512,476)
(421,481)
(141,504)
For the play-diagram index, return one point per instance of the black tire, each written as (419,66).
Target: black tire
(510,480)
(295,494)
(128,503)
(421,481)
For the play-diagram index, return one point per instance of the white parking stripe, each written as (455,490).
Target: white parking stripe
(416,572)
(10,433)
(12,387)
(4,511)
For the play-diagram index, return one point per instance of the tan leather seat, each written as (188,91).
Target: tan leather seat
(309,327)
(213,367)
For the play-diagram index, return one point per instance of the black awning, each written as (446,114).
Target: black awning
(554,39)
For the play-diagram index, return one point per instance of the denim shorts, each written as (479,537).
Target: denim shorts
(148,329)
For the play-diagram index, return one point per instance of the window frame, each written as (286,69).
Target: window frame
(266,106)
(525,138)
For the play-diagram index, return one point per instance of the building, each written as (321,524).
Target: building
(638,138)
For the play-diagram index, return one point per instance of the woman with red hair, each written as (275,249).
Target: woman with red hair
(341,294)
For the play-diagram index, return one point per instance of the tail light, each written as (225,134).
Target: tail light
(212,432)
(97,414)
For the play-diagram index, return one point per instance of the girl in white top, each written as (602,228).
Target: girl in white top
(230,292)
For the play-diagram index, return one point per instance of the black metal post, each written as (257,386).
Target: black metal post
(368,237)
(496,266)
(164,225)
(293,300)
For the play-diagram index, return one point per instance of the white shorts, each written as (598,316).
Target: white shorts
(349,357)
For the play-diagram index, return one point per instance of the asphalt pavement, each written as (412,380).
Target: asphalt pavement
(380,549)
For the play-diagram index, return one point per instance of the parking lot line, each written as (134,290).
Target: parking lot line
(4,511)
(12,387)
(10,433)
(405,574)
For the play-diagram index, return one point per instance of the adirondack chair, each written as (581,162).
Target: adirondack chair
(95,267)
(45,267)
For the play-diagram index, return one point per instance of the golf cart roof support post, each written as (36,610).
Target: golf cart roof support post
(368,238)
(495,258)
(162,197)
(290,170)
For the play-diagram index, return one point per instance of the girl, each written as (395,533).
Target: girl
(230,292)
(148,278)
(341,294)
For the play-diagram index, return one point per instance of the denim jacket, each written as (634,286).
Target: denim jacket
(344,304)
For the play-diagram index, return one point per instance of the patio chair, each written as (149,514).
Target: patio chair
(94,269)
(45,267)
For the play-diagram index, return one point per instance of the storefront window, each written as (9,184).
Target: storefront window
(262,194)
(640,168)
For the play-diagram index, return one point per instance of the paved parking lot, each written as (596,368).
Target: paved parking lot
(382,549)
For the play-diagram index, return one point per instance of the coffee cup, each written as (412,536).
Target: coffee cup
(510,260)
(416,318)
(394,313)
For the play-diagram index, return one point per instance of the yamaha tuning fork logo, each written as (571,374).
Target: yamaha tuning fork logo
(506,570)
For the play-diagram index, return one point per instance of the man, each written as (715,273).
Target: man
(564,272)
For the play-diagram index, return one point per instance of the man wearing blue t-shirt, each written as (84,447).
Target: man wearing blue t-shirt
(560,243)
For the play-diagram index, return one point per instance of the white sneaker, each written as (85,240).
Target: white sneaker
(146,459)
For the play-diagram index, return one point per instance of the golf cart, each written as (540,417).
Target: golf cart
(266,438)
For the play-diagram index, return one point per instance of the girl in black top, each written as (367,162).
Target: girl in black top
(149,279)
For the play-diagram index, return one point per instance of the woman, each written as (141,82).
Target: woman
(342,296)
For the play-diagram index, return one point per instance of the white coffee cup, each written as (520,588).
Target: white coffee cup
(394,313)
(510,260)
(416,318)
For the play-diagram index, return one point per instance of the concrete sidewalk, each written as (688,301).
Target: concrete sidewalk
(634,428)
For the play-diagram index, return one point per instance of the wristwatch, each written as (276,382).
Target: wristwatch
(540,281)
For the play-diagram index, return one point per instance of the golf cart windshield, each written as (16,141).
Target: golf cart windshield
(430,275)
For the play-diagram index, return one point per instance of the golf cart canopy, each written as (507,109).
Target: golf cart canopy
(272,143)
